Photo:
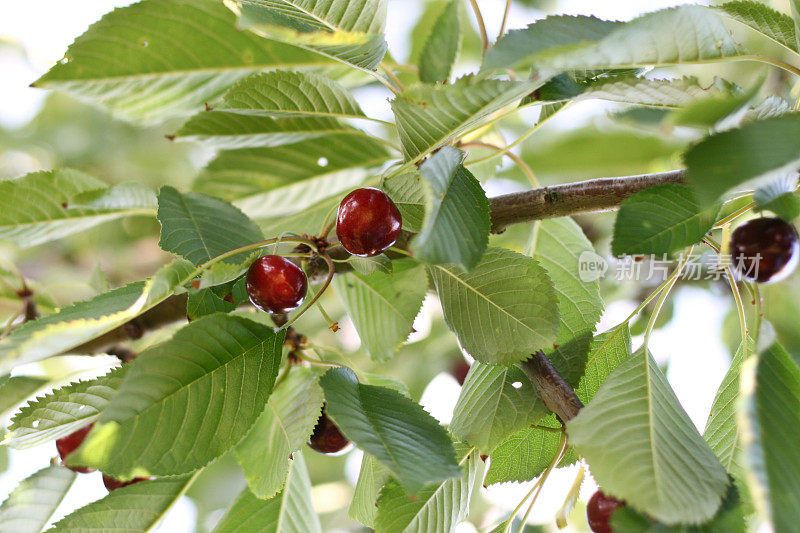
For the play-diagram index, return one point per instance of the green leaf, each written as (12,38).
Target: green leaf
(729,519)
(722,431)
(771,429)
(137,507)
(429,116)
(771,23)
(779,197)
(44,206)
(31,505)
(456,224)
(551,33)
(285,425)
(661,220)
(558,245)
(635,419)
(369,265)
(437,507)
(289,511)
(408,194)
(371,478)
(728,159)
(396,430)
(228,130)
(151,61)
(711,110)
(208,301)
(608,350)
(259,176)
(290,205)
(63,410)
(527,453)
(198,227)
(670,93)
(495,401)
(16,390)
(685,34)
(186,401)
(290,94)
(81,322)
(441,48)
(502,310)
(340,29)
(383,306)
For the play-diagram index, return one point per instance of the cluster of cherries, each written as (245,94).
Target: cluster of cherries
(367,224)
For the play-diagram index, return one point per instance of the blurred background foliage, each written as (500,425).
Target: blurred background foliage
(588,140)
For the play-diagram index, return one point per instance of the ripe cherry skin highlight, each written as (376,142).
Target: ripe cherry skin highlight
(368,222)
(114,484)
(765,250)
(598,512)
(327,438)
(70,443)
(275,284)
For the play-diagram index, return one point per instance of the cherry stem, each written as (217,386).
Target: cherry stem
(538,485)
(505,20)
(523,166)
(323,362)
(670,283)
(733,216)
(395,79)
(286,368)
(326,283)
(328,225)
(739,304)
(481,26)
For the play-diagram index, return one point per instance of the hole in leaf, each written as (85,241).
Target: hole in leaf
(517,384)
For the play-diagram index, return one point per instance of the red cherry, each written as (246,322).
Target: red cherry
(114,484)
(70,443)
(327,438)
(459,370)
(765,250)
(275,284)
(368,222)
(598,511)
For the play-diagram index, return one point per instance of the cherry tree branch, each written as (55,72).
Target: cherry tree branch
(602,194)
(556,393)
(594,195)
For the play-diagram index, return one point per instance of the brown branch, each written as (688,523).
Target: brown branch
(554,390)
(545,202)
(572,198)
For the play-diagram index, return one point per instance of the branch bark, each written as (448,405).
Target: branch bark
(602,194)
(556,393)
(594,195)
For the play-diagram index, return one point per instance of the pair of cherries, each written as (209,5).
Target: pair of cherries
(367,224)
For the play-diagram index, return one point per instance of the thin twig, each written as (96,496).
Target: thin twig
(505,20)
(481,26)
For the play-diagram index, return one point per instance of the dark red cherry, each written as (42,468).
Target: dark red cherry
(327,438)
(275,284)
(764,250)
(598,512)
(70,443)
(368,222)
(114,484)
(459,370)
